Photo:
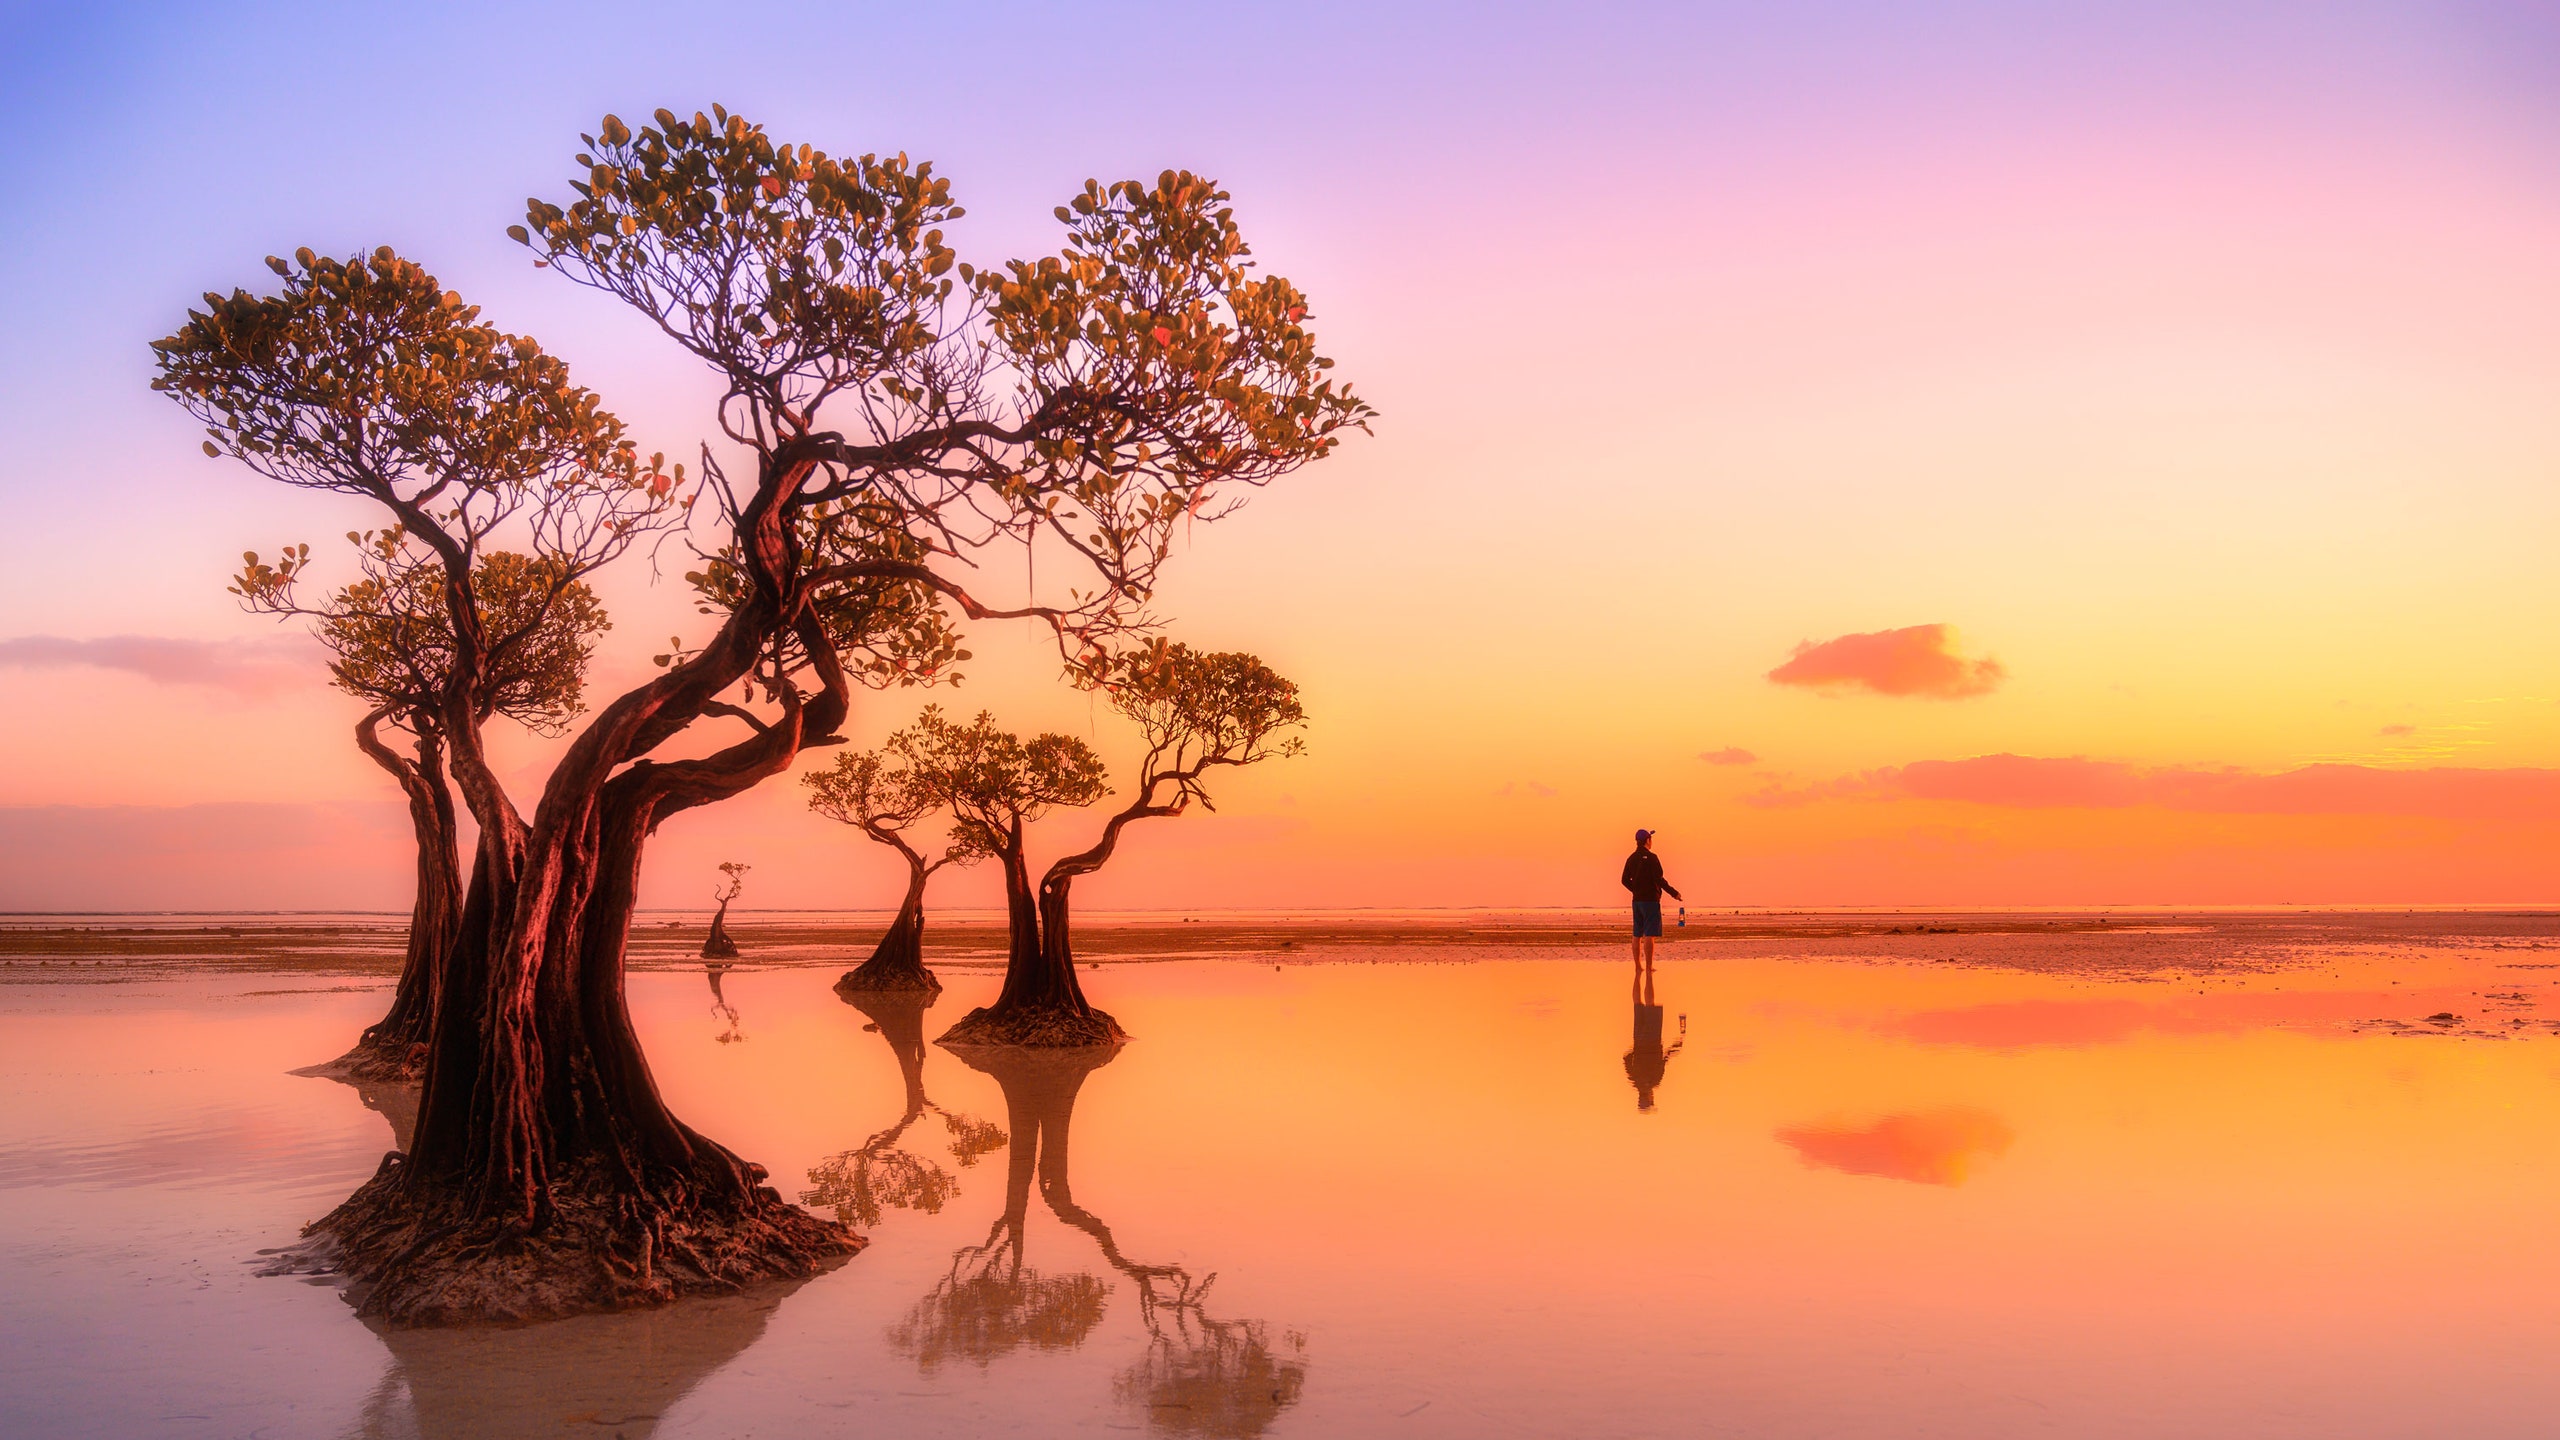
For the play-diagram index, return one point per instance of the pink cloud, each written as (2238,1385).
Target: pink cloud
(1935,1147)
(243,667)
(2397,731)
(1914,660)
(2026,782)
(1729,755)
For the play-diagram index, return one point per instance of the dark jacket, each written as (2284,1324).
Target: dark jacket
(1643,877)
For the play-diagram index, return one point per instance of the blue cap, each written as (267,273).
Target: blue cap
(1643,835)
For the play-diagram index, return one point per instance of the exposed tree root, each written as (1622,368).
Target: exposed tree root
(871,975)
(1036,1027)
(429,1259)
(376,1061)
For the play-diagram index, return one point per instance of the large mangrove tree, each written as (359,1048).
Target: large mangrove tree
(886,413)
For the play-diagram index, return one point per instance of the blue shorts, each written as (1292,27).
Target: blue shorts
(1648,918)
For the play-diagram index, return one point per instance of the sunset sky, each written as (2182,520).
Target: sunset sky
(1994,456)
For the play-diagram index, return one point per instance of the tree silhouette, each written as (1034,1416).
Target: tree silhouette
(390,640)
(994,783)
(733,882)
(896,417)
(883,796)
(1196,713)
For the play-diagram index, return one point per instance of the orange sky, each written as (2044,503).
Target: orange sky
(2163,395)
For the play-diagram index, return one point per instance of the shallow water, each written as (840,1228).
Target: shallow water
(1351,1199)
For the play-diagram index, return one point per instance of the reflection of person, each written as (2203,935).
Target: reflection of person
(1643,879)
(1648,1059)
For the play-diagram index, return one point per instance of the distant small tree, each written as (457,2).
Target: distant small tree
(733,883)
(995,782)
(1196,713)
(390,638)
(884,797)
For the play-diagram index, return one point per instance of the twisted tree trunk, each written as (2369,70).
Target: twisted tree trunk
(1041,1003)
(548,1176)
(717,945)
(394,1048)
(897,963)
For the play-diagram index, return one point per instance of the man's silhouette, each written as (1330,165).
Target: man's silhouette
(1643,879)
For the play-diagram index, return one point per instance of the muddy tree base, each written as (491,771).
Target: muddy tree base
(415,1260)
(1036,1028)
(873,977)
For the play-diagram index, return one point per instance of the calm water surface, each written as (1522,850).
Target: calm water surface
(1800,1197)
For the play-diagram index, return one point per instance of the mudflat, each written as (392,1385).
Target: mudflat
(2123,943)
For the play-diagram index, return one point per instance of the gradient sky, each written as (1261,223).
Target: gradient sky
(2165,393)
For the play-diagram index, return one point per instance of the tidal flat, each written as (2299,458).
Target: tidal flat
(2135,1173)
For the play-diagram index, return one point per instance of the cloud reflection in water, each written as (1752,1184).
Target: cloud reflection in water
(1927,1147)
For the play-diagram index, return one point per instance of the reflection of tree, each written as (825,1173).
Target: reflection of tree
(989,1304)
(1646,1058)
(1213,1377)
(1199,1375)
(878,1176)
(609,1374)
(721,1009)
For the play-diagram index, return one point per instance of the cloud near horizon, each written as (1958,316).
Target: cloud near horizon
(2026,782)
(1729,755)
(1914,660)
(242,667)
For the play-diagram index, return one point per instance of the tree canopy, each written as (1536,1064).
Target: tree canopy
(1198,711)
(882,794)
(390,634)
(993,781)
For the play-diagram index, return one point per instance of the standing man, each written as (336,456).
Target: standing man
(1643,879)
